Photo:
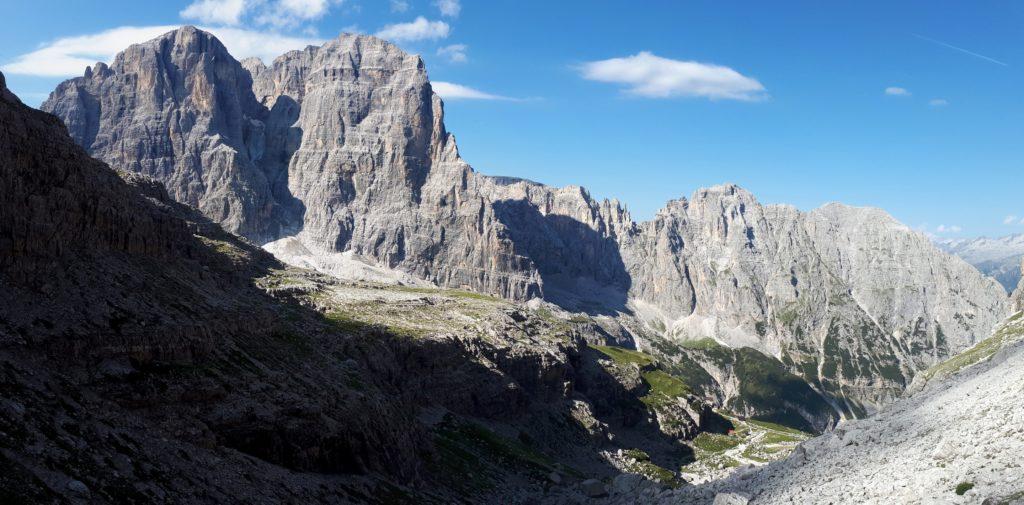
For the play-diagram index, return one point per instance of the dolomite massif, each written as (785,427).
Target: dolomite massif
(342,148)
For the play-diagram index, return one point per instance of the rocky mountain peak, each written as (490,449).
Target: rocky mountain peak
(6,93)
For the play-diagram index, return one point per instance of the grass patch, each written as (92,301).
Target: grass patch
(778,427)
(347,323)
(664,388)
(704,344)
(963,487)
(1010,331)
(638,455)
(779,438)
(472,459)
(453,293)
(624,356)
(712,442)
(344,322)
(643,466)
(755,454)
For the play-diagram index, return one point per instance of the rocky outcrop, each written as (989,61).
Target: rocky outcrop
(342,148)
(180,109)
(1017,298)
(846,297)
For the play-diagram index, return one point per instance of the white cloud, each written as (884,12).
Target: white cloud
(1011,219)
(278,13)
(950,229)
(289,13)
(455,53)
(68,56)
(938,102)
(450,91)
(651,76)
(419,29)
(223,12)
(399,6)
(450,8)
(896,91)
(264,45)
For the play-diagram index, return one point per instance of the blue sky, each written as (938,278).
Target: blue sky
(914,107)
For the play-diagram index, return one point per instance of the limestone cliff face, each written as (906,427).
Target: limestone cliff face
(179,109)
(343,148)
(849,298)
(1017,299)
(367,153)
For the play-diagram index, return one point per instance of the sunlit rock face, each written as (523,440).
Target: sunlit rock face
(849,298)
(1018,296)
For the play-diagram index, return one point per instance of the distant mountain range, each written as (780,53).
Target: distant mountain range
(999,258)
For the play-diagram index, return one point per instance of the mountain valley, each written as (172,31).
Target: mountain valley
(241,281)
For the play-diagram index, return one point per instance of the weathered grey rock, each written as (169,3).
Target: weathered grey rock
(731,499)
(626,483)
(847,297)
(78,487)
(180,109)
(1017,298)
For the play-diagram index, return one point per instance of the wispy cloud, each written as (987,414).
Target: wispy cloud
(948,229)
(647,75)
(291,13)
(225,12)
(896,91)
(960,49)
(452,91)
(399,6)
(419,29)
(449,8)
(68,56)
(938,102)
(1012,220)
(277,13)
(455,53)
